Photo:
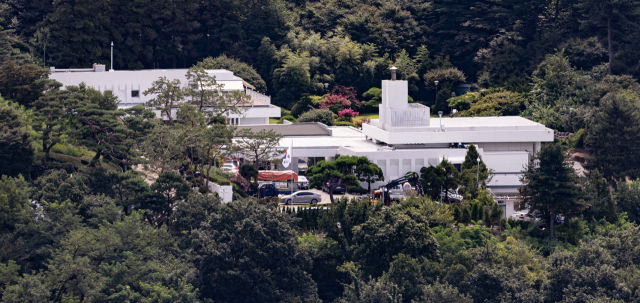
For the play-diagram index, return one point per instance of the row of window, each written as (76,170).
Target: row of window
(233,121)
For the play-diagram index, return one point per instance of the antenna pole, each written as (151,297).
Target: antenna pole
(111,57)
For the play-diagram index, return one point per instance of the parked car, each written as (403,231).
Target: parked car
(523,215)
(337,189)
(302,197)
(303,182)
(229,167)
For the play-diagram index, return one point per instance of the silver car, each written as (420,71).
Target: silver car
(302,197)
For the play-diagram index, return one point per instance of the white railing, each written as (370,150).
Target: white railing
(415,115)
(258,96)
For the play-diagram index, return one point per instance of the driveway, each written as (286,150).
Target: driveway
(325,197)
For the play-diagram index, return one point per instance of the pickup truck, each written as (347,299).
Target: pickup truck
(271,190)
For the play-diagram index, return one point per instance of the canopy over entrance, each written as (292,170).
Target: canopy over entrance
(272,175)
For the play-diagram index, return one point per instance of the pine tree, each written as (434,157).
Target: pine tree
(615,15)
(550,185)
(52,112)
(614,138)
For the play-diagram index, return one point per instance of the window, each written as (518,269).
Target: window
(135,94)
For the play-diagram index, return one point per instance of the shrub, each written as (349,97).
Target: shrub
(358,123)
(344,123)
(202,189)
(357,190)
(348,114)
(318,115)
(463,102)
(288,118)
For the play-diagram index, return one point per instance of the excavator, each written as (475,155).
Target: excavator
(385,192)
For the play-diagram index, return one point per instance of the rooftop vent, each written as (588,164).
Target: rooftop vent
(393,72)
(98,67)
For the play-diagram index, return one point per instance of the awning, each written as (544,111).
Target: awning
(272,175)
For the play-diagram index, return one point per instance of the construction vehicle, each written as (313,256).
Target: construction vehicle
(393,189)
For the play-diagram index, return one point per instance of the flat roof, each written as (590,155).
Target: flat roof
(295,129)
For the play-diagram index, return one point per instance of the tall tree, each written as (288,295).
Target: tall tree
(205,91)
(550,185)
(215,140)
(616,15)
(335,173)
(259,147)
(614,138)
(474,174)
(51,114)
(19,84)
(167,94)
(16,150)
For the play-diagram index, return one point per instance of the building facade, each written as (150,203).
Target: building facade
(129,87)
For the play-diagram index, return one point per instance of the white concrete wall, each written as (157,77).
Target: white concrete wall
(471,135)
(123,82)
(254,121)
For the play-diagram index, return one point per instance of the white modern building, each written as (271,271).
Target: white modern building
(406,138)
(129,86)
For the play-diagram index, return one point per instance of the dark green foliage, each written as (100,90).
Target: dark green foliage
(239,68)
(16,150)
(614,138)
(324,116)
(288,118)
(264,238)
(504,103)
(551,186)
(168,190)
(14,203)
(21,84)
(57,186)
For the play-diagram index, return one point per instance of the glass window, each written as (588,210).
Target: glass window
(135,93)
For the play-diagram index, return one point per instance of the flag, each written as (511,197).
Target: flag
(287,156)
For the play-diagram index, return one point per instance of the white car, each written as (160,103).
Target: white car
(303,182)
(228,167)
(523,215)
(302,197)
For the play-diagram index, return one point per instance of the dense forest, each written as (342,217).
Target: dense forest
(103,204)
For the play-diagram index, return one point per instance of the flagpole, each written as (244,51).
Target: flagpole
(291,169)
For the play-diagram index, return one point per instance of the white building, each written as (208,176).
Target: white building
(406,138)
(130,85)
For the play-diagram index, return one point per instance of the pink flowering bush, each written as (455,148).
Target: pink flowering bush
(242,182)
(348,114)
(340,98)
(361,121)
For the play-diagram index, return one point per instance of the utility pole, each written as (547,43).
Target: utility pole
(478,173)
(111,57)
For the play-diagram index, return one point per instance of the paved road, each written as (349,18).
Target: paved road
(325,197)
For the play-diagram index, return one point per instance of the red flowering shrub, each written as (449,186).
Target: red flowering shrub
(361,121)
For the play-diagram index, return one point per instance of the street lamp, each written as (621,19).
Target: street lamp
(326,88)
(453,95)
(478,172)
(436,82)
(571,118)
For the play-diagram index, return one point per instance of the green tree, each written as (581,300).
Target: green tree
(98,126)
(259,147)
(474,174)
(615,15)
(19,83)
(231,255)
(450,178)
(550,185)
(167,93)
(51,114)
(614,138)
(368,172)
(324,116)
(15,207)
(162,148)
(239,68)
(341,171)
(389,233)
(214,141)
(432,179)
(628,199)
(58,186)
(16,150)
(168,189)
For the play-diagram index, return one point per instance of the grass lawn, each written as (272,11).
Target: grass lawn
(273,121)
(370,116)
